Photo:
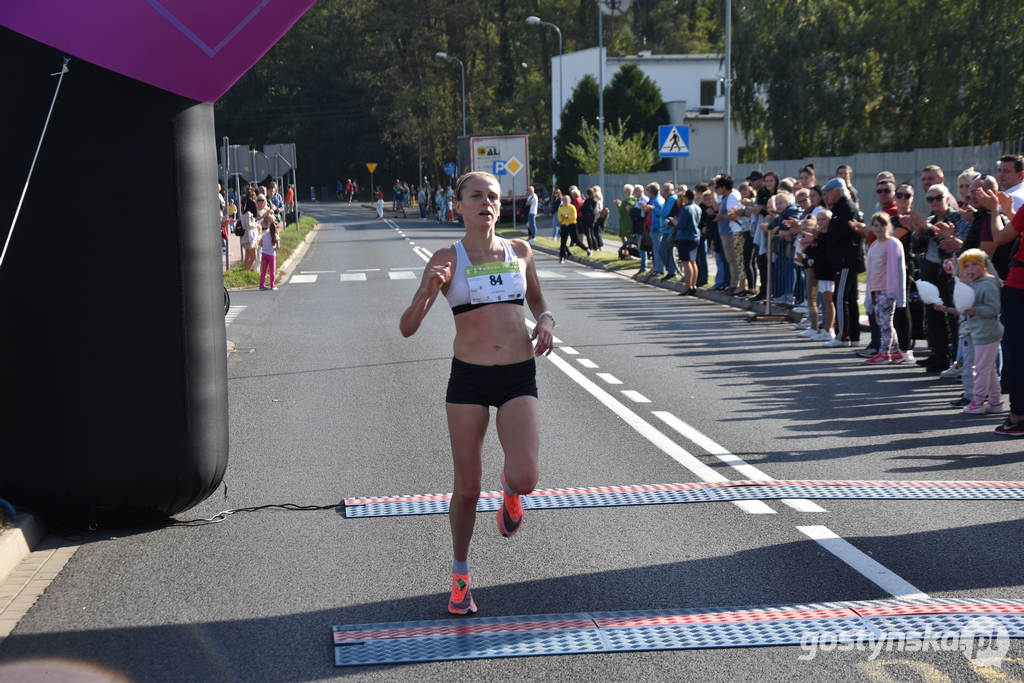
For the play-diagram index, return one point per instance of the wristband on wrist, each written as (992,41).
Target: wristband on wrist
(554,323)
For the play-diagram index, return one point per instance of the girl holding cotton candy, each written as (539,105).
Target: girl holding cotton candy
(977,296)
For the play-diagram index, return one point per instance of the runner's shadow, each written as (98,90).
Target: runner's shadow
(298,646)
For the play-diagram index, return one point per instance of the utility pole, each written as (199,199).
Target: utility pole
(728,86)
(600,93)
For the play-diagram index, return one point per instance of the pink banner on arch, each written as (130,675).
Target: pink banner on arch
(195,48)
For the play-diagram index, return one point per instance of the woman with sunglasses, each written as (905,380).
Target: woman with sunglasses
(941,327)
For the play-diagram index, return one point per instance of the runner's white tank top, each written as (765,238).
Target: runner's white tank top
(458,288)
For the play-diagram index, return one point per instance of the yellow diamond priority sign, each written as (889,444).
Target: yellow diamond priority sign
(513,166)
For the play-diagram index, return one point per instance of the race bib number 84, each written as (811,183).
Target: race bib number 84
(498,281)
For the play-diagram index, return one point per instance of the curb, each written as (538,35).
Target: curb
(740,303)
(18,542)
(284,272)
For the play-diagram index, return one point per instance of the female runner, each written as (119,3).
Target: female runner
(484,277)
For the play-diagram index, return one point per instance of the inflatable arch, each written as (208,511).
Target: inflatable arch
(112,355)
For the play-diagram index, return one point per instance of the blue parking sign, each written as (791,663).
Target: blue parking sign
(449,169)
(498,167)
(673,141)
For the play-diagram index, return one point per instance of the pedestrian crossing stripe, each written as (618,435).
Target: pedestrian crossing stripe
(232,314)
(308,278)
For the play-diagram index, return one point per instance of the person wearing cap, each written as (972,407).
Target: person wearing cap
(845,250)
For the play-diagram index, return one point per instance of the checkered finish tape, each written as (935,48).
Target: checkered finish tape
(524,636)
(703,492)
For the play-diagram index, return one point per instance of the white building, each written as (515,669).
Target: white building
(690,87)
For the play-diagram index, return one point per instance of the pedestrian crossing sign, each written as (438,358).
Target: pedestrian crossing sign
(673,141)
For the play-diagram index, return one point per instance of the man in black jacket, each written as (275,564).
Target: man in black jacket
(846,251)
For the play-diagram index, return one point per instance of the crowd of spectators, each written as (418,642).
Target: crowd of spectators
(808,247)
(579,222)
(256,217)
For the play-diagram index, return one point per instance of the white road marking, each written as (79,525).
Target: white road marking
(884,578)
(402,275)
(549,274)
(587,363)
(598,274)
(353,277)
(233,312)
(646,429)
(747,470)
(318,271)
(303,279)
(754,507)
(635,396)
(860,561)
(569,350)
(422,253)
(609,378)
(362,270)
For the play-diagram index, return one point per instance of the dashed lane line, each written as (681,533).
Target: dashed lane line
(635,396)
(652,434)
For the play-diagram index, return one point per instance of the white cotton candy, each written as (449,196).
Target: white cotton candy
(963,296)
(928,292)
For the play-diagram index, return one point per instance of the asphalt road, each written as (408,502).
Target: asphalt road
(328,401)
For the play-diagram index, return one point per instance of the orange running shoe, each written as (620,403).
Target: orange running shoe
(461,601)
(511,513)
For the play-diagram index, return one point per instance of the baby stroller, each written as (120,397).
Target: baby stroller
(630,249)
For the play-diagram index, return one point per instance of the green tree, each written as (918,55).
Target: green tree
(623,153)
(634,98)
(354,82)
(579,108)
(631,98)
(835,77)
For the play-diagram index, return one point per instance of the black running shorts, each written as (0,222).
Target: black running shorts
(491,385)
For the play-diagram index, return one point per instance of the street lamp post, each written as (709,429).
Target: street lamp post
(462,68)
(600,94)
(537,21)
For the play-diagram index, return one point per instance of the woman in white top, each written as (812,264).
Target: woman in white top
(483,277)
